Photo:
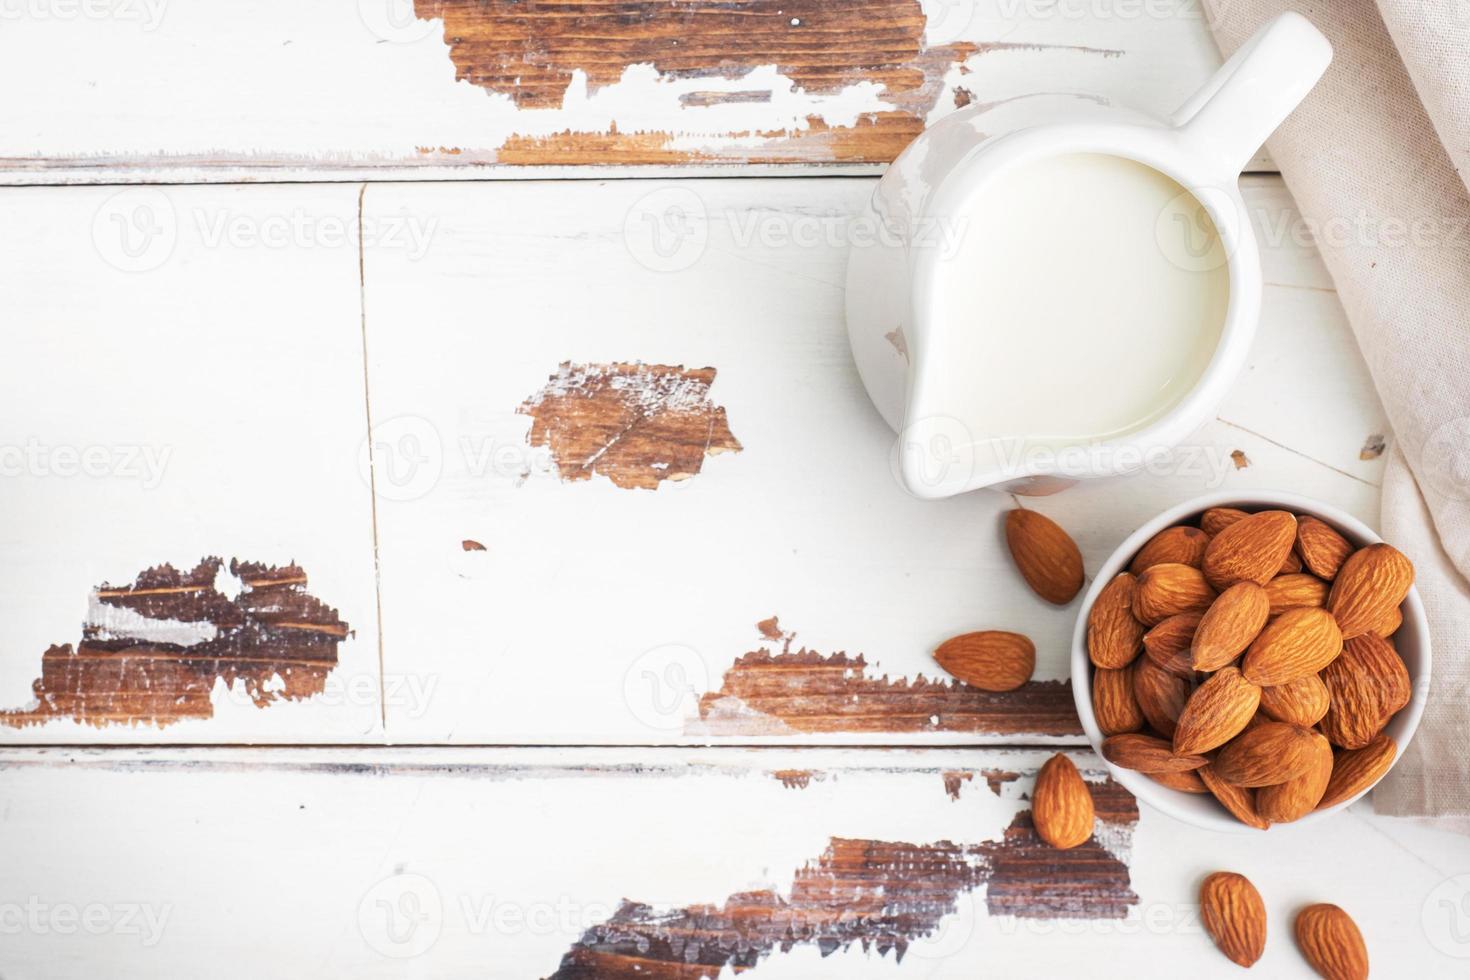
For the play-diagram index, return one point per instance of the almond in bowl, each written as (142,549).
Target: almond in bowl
(1278,655)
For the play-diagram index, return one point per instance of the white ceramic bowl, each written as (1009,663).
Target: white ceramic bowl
(1412,641)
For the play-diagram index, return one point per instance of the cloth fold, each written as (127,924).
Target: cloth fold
(1380,147)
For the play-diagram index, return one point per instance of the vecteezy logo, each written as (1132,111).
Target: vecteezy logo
(666,230)
(663,685)
(935,451)
(946,21)
(135,230)
(402,458)
(401,916)
(1445,917)
(1192,229)
(394,20)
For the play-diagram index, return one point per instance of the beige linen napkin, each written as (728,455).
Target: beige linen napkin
(1374,150)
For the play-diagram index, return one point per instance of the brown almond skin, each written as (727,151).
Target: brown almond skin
(1179,545)
(1289,591)
(1267,754)
(1354,770)
(1233,914)
(1291,566)
(992,660)
(1061,804)
(1298,797)
(1113,702)
(1229,626)
(1147,754)
(1046,555)
(1215,713)
(1371,582)
(1303,701)
(1169,589)
(1168,644)
(1390,623)
(1250,550)
(1217,519)
(1114,636)
(1237,800)
(1184,782)
(1160,695)
(1323,550)
(1298,642)
(1367,685)
(1330,941)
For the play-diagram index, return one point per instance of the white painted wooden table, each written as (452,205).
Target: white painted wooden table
(408,702)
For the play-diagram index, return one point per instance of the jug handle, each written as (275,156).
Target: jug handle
(1228,119)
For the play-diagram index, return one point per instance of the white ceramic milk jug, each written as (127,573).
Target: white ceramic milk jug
(1055,289)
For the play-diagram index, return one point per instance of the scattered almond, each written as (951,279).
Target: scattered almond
(1267,754)
(1169,589)
(1372,581)
(1114,636)
(1217,519)
(1233,914)
(1330,941)
(1229,625)
(1046,555)
(1354,770)
(1297,797)
(1323,550)
(1168,644)
(1251,549)
(1367,685)
(1298,642)
(992,660)
(1239,801)
(1145,753)
(1160,695)
(1288,591)
(1303,701)
(1113,701)
(1175,545)
(1216,713)
(1061,804)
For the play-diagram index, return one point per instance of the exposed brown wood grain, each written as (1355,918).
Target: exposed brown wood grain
(636,424)
(271,628)
(794,778)
(882,895)
(775,691)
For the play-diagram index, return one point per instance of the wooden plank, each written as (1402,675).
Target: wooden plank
(620,863)
(188,540)
(182,91)
(787,590)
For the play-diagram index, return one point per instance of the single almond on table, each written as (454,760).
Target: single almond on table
(1113,701)
(1266,754)
(1330,941)
(1217,519)
(1298,642)
(1303,701)
(1215,713)
(1238,800)
(1185,782)
(1177,545)
(1229,625)
(1145,753)
(992,660)
(1061,804)
(1295,798)
(1368,684)
(1046,555)
(1233,914)
(1160,695)
(1371,583)
(1323,550)
(1250,550)
(1169,589)
(1354,770)
(1288,591)
(1114,636)
(1168,644)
